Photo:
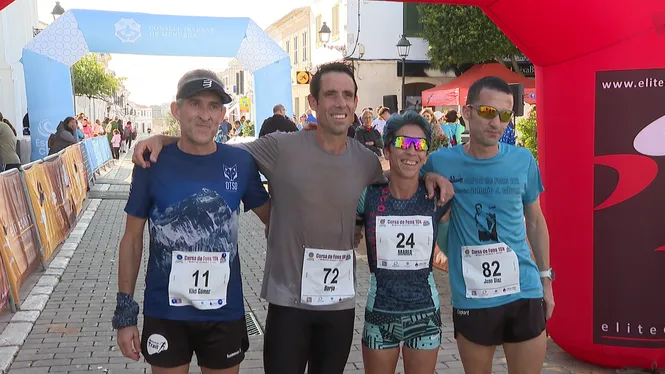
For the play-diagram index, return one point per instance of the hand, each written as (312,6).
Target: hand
(446,191)
(153,145)
(129,342)
(440,259)
(357,236)
(548,296)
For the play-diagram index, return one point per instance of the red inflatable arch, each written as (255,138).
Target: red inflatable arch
(600,71)
(4,3)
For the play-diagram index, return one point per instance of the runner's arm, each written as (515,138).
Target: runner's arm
(265,152)
(129,256)
(536,227)
(256,197)
(360,219)
(263,212)
(152,146)
(538,234)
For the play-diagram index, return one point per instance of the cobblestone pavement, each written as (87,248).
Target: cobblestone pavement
(73,333)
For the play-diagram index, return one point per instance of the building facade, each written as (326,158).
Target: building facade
(294,33)
(238,83)
(18,23)
(366,33)
(142,118)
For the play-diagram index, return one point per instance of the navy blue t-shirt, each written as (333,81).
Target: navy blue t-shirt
(191,203)
(399,291)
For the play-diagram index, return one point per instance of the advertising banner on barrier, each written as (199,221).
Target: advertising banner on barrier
(44,204)
(60,184)
(76,190)
(79,167)
(4,286)
(20,246)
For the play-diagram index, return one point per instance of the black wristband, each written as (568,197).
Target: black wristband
(126,312)
(360,222)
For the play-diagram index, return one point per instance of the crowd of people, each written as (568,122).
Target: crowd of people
(73,130)
(325,192)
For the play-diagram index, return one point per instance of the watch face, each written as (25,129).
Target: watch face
(552,274)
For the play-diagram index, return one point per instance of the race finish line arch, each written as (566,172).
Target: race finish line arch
(600,81)
(48,57)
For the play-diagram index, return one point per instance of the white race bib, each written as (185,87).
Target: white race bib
(199,279)
(327,277)
(404,242)
(490,270)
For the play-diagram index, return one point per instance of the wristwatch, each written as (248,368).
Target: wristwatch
(549,273)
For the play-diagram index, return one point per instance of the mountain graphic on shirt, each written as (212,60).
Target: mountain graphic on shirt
(203,222)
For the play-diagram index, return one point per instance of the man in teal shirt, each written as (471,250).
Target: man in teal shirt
(500,295)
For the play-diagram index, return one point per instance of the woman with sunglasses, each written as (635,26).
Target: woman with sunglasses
(402,308)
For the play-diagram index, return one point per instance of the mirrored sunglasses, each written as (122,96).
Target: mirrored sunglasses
(489,112)
(405,142)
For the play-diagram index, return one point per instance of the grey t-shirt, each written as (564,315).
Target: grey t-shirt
(313,205)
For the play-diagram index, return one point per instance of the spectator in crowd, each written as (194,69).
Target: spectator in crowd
(311,122)
(128,134)
(452,129)
(87,129)
(116,124)
(98,129)
(278,122)
(508,136)
(236,130)
(8,153)
(369,136)
(115,144)
(382,115)
(65,135)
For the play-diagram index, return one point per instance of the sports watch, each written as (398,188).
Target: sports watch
(549,273)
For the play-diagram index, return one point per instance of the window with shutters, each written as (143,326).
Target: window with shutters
(295,50)
(297,106)
(304,46)
(335,23)
(318,27)
(412,25)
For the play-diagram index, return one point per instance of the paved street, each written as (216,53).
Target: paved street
(73,333)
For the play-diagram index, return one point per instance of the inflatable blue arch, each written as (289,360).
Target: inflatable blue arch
(48,57)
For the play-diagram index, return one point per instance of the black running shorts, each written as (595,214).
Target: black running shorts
(218,345)
(515,322)
(296,337)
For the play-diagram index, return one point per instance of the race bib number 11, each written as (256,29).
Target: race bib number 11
(199,279)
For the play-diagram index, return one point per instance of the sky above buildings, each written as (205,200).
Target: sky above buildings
(152,79)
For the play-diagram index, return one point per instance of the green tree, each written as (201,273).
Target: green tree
(248,129)
(460,34)
(527,128)
(91,79)
(172,126)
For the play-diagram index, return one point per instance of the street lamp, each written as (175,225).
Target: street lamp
(57,11)
(403,47)
(324,34)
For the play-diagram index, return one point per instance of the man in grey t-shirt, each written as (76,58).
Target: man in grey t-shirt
(316,178)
